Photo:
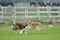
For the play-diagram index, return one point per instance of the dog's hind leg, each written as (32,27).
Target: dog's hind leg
(38,28)
(25,31)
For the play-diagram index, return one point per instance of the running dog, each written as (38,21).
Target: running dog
(34,25)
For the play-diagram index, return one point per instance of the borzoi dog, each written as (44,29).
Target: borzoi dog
(34,25)
(19,26)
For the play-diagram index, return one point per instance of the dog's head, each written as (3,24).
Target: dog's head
(13,27)
(28,22)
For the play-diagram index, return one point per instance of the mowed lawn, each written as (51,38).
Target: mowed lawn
(47,33)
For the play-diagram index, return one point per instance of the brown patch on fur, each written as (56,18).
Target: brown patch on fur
(19,26)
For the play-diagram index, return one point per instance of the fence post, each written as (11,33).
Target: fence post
(14,14)
(2,13)
(26,12)
(37,12)
(59,13)
(48,12)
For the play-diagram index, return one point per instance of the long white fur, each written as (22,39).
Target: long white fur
(38,27)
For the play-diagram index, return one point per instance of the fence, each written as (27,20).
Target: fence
(8,14)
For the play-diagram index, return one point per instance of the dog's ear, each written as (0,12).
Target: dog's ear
(25,25)
(27,19)
(13,24)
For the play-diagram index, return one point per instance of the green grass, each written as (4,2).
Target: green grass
(46,34)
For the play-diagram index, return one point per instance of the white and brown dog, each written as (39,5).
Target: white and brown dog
(34,25)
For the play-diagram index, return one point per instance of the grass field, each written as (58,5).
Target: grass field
(46,34)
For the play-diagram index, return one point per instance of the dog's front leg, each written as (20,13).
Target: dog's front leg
(21,31)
